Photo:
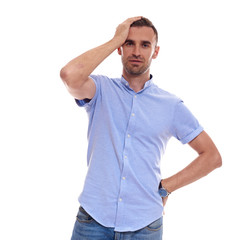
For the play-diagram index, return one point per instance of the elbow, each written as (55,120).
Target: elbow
(67,77)
(64,74)
(71,77)
(217,160)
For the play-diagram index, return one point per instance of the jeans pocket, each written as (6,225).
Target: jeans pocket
(83,216)
(155,226)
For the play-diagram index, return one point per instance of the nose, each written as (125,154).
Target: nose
(136,51)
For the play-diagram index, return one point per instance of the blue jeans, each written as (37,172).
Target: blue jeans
(86,228)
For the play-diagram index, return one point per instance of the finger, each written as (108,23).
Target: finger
(164,200)
(133,19)
(136,18)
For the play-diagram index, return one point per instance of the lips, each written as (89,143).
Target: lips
(135,61)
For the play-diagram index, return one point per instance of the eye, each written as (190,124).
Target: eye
(146,45)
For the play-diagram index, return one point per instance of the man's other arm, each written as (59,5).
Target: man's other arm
(208,159)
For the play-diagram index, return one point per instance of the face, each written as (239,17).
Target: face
(138,50)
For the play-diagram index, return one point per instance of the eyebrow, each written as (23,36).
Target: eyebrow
(146,42)
(131,41)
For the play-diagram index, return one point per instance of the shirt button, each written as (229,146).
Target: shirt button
(129,135)
(133,114)
(135,96)
(123,178)
(125,157)
(120,199)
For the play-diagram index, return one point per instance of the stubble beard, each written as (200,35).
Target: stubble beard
(135,70)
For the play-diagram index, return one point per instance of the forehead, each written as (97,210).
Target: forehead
(141,34)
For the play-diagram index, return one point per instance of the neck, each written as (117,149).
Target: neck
(136,82)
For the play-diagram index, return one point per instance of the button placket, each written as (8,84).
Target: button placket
(129,131)
(127,157)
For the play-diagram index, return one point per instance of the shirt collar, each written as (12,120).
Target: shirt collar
(146,85)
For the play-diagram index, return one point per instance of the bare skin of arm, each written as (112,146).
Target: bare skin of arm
(208,159)
(76,73)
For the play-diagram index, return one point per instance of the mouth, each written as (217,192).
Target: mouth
(135,61)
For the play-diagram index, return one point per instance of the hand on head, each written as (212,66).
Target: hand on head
(123,29)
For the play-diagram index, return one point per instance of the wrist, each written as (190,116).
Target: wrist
(165,184)
(116,42)
(163,191)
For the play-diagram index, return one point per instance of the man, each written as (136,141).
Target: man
(130,123)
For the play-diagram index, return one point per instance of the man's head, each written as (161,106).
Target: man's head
(139,48)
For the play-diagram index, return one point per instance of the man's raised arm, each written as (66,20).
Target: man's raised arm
(76,73)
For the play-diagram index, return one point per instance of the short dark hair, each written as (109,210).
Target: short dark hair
(144,22)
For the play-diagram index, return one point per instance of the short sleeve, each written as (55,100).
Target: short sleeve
(185,126)
(87,103)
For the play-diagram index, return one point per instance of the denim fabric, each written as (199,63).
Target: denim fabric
(86,228)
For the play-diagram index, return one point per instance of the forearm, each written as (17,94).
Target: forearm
(82,66)
(200,167)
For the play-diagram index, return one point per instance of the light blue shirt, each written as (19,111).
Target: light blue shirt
(128,133)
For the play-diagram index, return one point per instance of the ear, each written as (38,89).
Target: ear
(119,51)
(156,51)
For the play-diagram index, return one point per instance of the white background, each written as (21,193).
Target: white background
(43,133)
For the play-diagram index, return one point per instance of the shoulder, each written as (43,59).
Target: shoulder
(105,89)
(165,95)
